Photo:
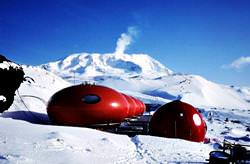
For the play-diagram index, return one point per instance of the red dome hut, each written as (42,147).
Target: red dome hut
(178,120)
(84,105)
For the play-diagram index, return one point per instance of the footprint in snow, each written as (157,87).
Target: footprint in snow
(104,139)
(53,135)
(15,158)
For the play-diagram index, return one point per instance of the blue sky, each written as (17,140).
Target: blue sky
(205,37)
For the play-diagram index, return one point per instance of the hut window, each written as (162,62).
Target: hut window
(91,99)
(197,119)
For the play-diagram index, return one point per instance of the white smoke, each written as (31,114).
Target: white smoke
(125,40)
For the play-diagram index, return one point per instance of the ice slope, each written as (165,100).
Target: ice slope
(142,74)
(27,136)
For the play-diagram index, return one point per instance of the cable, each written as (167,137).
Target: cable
(37,118)
(39,98)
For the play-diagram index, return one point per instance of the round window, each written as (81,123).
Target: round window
(197,119)
(91,99)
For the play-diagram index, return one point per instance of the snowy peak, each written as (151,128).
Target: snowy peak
(85,65)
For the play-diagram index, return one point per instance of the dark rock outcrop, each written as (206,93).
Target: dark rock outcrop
(11,76)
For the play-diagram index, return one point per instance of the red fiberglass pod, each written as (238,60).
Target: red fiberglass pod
(137,110)
(131,105)
(142,107)
(84,105)
(178,120)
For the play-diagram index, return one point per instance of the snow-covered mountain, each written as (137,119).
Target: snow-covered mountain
(85,65)
(142,74)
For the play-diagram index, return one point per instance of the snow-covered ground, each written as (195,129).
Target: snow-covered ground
(27,136)
(22,142)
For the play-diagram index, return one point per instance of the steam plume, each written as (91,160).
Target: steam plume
(125,40)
